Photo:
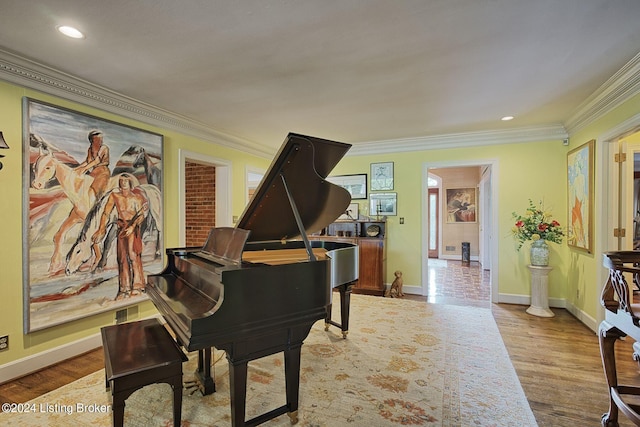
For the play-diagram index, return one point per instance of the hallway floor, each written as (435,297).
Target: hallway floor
(450,282)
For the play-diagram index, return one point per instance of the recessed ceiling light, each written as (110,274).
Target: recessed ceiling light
(70,32)
(506,118)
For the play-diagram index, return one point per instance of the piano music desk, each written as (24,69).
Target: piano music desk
(137,354)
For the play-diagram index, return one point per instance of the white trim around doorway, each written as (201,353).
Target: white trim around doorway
(493,164)
(223,189)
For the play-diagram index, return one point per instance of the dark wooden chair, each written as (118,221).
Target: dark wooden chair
(138,354)
(622,319)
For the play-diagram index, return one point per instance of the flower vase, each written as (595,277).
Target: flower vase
(539,253)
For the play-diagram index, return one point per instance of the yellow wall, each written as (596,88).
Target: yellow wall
(11,295)
(535,170)
(584,272)
(526,170)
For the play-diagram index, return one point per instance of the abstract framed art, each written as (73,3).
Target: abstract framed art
(93,219)
(580,176)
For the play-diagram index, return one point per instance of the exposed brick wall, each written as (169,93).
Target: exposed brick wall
(200,202)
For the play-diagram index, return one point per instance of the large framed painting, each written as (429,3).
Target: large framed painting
(580,163)
(93,216)
(355,184)
(461,205)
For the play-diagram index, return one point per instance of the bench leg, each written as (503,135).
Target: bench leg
(177,401)
(118,412)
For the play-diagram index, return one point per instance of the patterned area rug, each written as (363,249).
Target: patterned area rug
(403,363)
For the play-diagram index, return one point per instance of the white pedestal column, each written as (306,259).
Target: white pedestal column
(540,291)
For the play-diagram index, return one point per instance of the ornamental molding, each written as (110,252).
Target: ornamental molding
(21,71)
(461,140)
(620,87)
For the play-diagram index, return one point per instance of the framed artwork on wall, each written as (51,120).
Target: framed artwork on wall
(461,205)
(580,176)
(351,214)
(384,204)
(382,176)
(356,185)
(93,219)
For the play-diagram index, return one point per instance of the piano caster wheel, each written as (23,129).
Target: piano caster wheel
(344,334)
(326,326)
(293,416)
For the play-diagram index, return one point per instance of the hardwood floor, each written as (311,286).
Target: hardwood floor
(557,359)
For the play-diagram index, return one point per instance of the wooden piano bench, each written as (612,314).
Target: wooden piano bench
(138,354)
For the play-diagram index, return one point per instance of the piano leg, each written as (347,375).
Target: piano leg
(292,379)
(345,301)
(238,391)
(203,374)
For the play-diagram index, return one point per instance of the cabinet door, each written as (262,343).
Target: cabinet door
(371,280)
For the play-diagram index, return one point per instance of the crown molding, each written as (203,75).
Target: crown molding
(21,71)
(620,87)
(24,72)
(460,140)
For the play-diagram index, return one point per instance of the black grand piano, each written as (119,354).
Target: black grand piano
(257,289)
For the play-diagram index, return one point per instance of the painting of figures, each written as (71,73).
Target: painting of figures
(93,214)
(461,205)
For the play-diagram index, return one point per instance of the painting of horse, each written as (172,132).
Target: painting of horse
(152,172)
(77,189)
(74,160)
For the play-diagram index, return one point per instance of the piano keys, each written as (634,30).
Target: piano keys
(257,289)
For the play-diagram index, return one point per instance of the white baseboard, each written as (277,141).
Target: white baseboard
(526,300)
(583,317)
(457,257)
(29,364)
(408,289)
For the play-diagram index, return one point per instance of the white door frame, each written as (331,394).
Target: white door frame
(492,164)
(606,195)
(223,189)
(484,203)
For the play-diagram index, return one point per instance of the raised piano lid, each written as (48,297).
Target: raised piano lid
(303,163)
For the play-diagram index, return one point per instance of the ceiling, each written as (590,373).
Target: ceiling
(357,71)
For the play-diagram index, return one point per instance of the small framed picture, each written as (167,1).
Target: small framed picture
(384,204)
(382,176)
(351,214)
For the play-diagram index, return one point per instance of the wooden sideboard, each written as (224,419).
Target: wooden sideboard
(370,237)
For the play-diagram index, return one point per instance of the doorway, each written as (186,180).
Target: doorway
(222,201)
(488,248)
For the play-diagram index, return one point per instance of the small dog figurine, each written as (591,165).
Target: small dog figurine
(396,287)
